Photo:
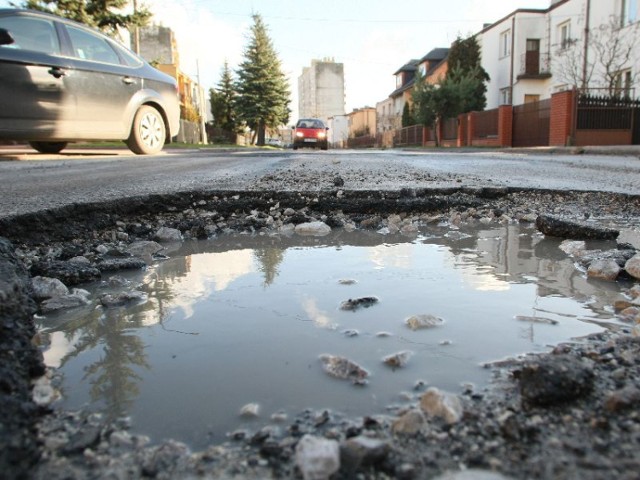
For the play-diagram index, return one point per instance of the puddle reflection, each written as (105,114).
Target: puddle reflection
(243,319)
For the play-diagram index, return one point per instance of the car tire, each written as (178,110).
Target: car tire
(148,131)
(48,147)
(295,148)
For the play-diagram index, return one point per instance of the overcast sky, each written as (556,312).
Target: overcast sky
(372,38)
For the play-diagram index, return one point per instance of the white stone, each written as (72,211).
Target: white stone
(143,248)
(633,266)
(250,410)
(436,403)
(318,458)
(410,423)
(313,229)
(605,269)
(45,287)
(573,247)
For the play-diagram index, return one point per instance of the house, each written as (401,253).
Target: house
(362,122)
(432,67)
(532,53)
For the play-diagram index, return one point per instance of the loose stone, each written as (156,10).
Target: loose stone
(416,322)
(343,368)
(439,404)
(356,303)
(397,360)
(632,266)
(318,458)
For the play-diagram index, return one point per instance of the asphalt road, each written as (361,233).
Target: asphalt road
(31,182)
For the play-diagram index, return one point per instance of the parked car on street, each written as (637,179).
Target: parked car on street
(310,133)
(61,81)
(275,142)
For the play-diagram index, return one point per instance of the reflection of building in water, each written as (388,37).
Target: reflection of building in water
(520,255)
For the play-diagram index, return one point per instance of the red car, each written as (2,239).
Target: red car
(310,133)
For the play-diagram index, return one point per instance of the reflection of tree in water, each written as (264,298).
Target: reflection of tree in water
(113,377)
(269,260)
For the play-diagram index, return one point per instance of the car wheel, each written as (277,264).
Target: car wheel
(147,132)
(295,148)
(48,147)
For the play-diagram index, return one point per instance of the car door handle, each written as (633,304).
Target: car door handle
(56,72)
(128,80)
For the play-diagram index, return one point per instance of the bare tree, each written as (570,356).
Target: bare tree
(609,53)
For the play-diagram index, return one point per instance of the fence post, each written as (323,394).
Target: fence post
(471,128)
(505,125)
(462,130)
(562,121)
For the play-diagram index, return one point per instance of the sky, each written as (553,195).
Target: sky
(372,38)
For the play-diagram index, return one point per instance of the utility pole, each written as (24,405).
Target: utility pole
(203,130)
(585,53)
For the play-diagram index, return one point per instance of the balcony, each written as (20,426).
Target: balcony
(534,66)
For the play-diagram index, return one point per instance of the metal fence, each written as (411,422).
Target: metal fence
(531,122)
(486,124)
(596,112)
(408,136)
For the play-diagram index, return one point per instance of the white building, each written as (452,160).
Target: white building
(338,131)
(321,90)
(532,53)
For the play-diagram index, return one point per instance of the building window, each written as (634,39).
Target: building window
(623,83)
(505,96)
(505,44)
(628,12)
(564,35)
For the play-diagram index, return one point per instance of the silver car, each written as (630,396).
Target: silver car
(61,81)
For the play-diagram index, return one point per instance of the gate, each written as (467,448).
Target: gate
(531,124)
(608,120)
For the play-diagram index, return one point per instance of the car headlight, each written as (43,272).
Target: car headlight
(299,134)
(322,135)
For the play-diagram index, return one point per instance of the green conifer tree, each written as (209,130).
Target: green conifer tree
(103,14)
(223,102)
(262,89)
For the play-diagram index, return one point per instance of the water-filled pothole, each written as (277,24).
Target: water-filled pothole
(243,319)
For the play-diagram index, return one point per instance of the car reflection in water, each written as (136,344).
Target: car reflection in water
(61,81)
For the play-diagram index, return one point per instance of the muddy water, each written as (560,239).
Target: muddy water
(243,319)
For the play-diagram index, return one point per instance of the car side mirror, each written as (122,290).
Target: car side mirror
(5,37)
(293,127)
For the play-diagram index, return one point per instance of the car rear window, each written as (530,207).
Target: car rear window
(88,46)
(35,34)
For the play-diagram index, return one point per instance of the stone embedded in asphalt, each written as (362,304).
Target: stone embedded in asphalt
(605,269)
(439,404)
(45,287)
(632,266)
(356,303)
(166,234)
(312,229)
(343,368)
(416,322)
(116,264)
(622,399)
(317,458)
(556,226)
(69,273)
(361,451)
(554,380)
(144,248)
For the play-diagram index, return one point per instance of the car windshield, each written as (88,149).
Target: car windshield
(310,124)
